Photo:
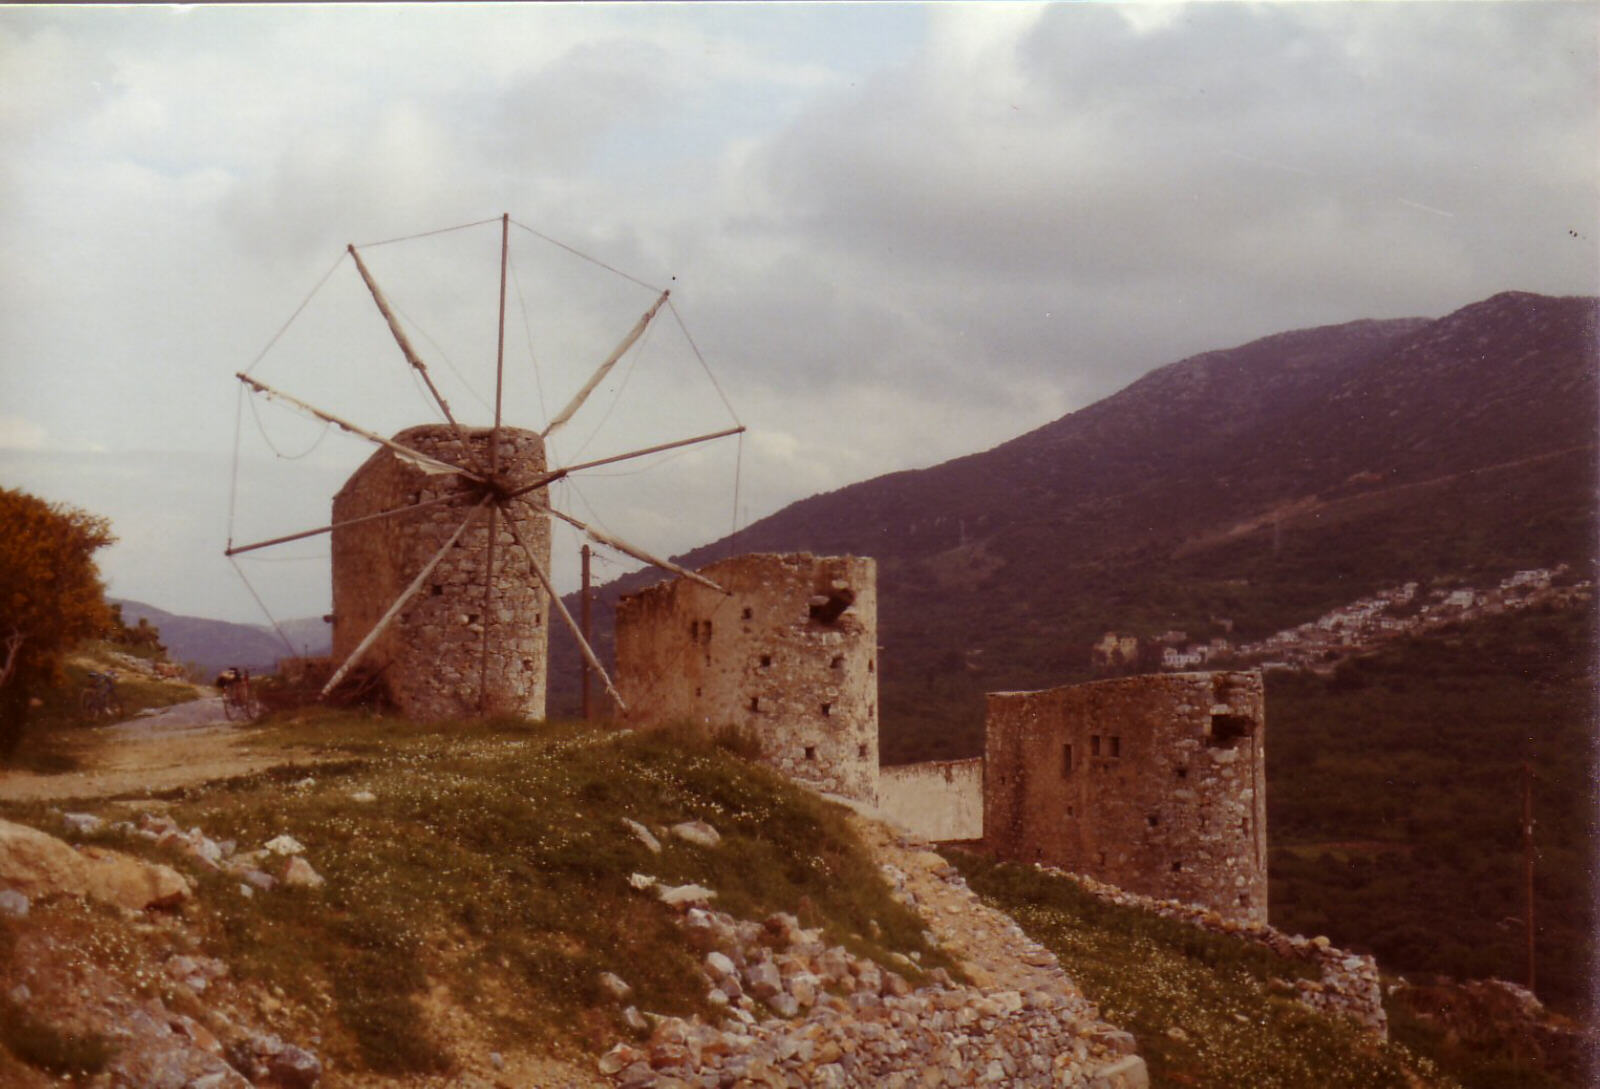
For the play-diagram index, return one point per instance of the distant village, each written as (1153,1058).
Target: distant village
(1322,643)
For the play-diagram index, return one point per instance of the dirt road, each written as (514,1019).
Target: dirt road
(180,745)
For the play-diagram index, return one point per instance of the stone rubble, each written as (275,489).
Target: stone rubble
(35,864)
(1348,985)
(799,1012)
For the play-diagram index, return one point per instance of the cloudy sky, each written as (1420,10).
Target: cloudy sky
(896,234)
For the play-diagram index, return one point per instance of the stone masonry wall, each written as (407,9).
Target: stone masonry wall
(433,653)
(940,800)
(790,653)
(1155,784)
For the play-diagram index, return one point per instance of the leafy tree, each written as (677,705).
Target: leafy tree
(51,597)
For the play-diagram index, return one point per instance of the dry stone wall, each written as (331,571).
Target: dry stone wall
(432,656)
(1155,784)
(788,654)
(940,800)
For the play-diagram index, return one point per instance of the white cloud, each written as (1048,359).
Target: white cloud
(899,233)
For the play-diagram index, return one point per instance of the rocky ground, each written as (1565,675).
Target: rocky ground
(801,1013)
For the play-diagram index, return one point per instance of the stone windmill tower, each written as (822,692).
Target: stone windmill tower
(441,542)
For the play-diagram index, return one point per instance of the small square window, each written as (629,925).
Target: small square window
(811,752)
(766,661)
(747,613)
(827,710)
(1116,747)
(755,703)
(1094,744)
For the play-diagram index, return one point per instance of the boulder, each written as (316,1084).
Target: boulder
(684,894)
(36,864)
(697,832)
(299,874)
(642,834)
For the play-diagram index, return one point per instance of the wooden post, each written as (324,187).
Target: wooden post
(1527,863)
(585,616)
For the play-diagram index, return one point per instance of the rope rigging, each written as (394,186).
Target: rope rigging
(495,492)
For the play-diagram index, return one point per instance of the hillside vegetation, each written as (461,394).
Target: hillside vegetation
(1201,1004)
(1395,800)
(477,881)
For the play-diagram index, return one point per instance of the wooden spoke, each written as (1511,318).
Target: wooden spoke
(550,477)
(405,453)
(488,609)
(559,606)
(623,546)
(392,513)
(407,350)
(399,603)
(500,348)
(605,368)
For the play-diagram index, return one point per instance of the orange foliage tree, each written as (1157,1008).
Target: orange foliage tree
(51,597)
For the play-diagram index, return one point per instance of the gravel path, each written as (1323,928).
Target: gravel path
(179,718)
(179,746)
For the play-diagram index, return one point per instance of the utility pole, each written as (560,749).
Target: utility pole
(583,622)
(1527,860)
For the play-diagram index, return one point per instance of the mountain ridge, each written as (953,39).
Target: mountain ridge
(1352,454)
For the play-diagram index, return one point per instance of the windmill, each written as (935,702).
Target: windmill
(440,541)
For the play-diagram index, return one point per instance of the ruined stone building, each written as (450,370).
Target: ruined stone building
(1153,783)
(789,653)
(939,800)
(432,655)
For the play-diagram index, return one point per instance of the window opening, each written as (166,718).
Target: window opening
(1066,760)
(837,663)
(747,613)
(755,703)
(1094,744)
(1227,730)
(827,610)
(1153,820)
(827,710)
(861,750)
(766,661)
(811,752)
(1116,746)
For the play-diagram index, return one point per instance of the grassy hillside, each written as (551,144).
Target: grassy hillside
(1200,1004)
(1395,800)
(485,881)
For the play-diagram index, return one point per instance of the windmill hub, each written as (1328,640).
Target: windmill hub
(473,636)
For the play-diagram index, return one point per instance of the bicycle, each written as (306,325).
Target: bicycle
(239,703)
(100,700)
